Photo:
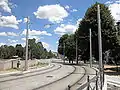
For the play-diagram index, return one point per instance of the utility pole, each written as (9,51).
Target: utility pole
(100,46)
(76,51)
(26,58)
(64,51)
(90,48)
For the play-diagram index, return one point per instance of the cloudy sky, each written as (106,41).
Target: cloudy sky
(49,19)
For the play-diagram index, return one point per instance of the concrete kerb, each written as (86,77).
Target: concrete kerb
(25,72)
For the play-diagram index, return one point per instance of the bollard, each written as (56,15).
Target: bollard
(96,80)
(68,87)
(18,64)
(88,83)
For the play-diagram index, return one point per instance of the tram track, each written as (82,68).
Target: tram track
(21,72)
(56,80)
(33,74)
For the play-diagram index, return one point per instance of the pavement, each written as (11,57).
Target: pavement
(47,78)
(113,82)
(24,72)
(37,79)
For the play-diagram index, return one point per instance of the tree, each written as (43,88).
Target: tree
(11,51)
(109,38)
(62,43)
(38,51)
(19,50)
(70,49)
(67,47)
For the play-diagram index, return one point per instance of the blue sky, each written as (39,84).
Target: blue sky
(49,19)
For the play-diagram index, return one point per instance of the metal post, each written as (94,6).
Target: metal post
(90,48)
(100,45)
(76,52)
(96,80)
(64,52)
(68,87)
(88,83)
(26,58)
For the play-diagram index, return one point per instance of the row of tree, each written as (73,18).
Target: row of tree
(36,50)
(110,41)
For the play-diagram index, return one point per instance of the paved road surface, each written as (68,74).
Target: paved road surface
(55,78)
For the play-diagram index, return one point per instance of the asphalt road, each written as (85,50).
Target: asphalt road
(57,77)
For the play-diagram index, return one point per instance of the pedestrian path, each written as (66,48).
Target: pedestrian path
(21,71)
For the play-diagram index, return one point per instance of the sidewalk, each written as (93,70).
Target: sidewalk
(113,80)
(24,72)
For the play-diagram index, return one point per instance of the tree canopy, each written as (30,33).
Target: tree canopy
(35,49)
(109,37)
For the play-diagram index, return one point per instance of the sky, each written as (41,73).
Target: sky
(48,19)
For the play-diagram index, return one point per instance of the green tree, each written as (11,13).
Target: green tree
(11,51)
(67,46)
(19,50)
(109,38)
(62,43)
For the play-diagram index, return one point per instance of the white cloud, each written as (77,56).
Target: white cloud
(2,44)
(12,41)
(65,29)
(48,25)
(4,4)
(78,21)
(46,45)
(31,37)
(9,21)
(108,2)
(74,10)
(3,34)
(14,44)
(35,37)
(54,13)
(25,20)
(24,39)
(57,42)
(36,32)
(114,6)
(8,34)
(67,7)
(11,34)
